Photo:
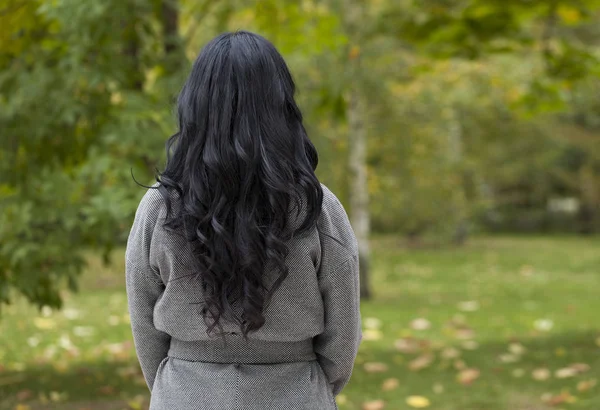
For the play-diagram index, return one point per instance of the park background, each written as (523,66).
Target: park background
(462,136)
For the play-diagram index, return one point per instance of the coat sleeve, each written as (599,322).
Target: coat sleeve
(337,346)
(144,287)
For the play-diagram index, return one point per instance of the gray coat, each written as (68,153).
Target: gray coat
(300,359)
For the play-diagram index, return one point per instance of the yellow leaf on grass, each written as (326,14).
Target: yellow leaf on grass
(541,374)
(585,385)
(421,362)
(390,384)
(373,405)
(468,376)
(418,402)
(44,323)
(375,367)
(22,407)
(372,334)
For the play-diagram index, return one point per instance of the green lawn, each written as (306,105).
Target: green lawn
(502,323)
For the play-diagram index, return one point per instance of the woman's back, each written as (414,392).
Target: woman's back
(234,302)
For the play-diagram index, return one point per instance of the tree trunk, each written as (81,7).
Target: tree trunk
(359,194)
(353,12)
(455,145)
(174,54)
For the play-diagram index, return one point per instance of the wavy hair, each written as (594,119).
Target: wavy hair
(239,162)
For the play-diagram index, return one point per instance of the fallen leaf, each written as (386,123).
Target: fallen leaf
(585,385)
(375,367)
(516,348)
(372,323)
(469,345)
(390,384)
(83,331)
(420,324)
(543,325)
(373,405)
(540,374)
(468,306)
(468,376)
(509,358)
(580,367)
(460,365)
(565,372)
(372,334)
(44,323)
(438,388)
(340,399)
(421,362)
(464,333)
(450,353)
(564,397)
(406,345)
(22,407)
(57,396)
(418,402)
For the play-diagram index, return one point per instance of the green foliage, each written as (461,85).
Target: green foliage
(472,108)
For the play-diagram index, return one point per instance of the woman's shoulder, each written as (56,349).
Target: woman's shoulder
(334,224)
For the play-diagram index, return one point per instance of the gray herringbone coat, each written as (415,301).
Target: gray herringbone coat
(300,359)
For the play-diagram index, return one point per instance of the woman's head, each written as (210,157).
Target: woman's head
(240,161)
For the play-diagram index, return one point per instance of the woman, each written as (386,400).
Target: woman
(241,267)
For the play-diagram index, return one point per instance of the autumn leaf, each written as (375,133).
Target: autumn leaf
(468,376)
(421,362)
(563,397)
(540,374)
(372,323)
(418,402)
(372,334)
(450,353)
(44,323)
(585,385)
(375,367)
(516,348)
(406,345)
(468,306)
(543,325)
(565,372)
(390,384)
(373,405)
(420,324)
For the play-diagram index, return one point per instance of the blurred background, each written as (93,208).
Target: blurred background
(462,136)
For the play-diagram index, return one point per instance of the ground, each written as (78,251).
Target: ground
(501,323)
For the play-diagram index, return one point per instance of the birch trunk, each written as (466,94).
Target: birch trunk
(359,194)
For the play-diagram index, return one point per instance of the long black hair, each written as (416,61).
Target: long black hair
(239,162)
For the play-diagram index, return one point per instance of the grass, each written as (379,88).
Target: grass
(495,325)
